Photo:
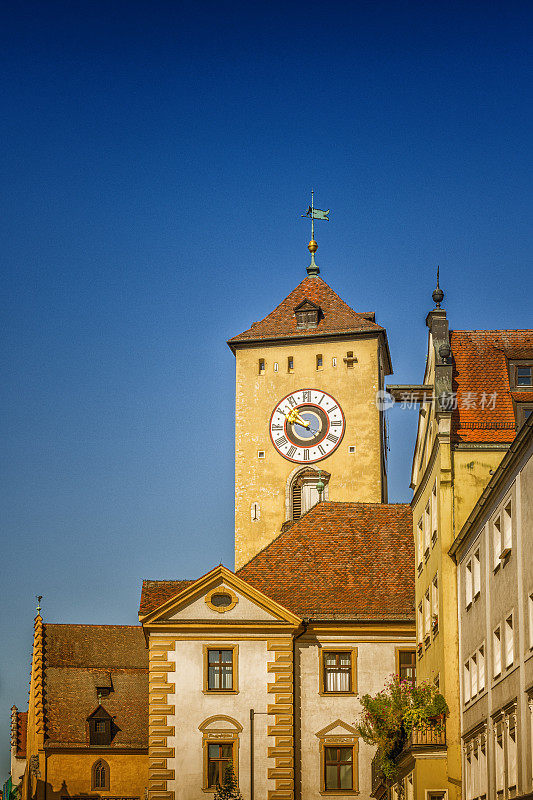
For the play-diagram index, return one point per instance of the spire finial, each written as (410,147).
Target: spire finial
(314,213)
(38,597)
(438,294)
(320,486)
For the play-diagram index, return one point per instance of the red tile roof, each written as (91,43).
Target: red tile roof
(337,317)
(22,730)
(341,560)
(485,410)
(77,659)
(155,593)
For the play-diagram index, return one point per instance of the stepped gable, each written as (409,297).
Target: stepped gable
(336,316)
(485,411)
(80,658)
(155,593)
(341,561)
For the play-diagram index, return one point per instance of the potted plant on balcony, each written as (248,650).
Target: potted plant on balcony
(389,718)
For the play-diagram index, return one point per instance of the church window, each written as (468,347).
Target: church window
(220,667)
(255,512)
(338,671)
(319,361)
(261,366)
(338,763)
(100,775)
(290,364)
(219,756)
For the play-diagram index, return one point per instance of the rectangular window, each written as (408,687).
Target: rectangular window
(524,376)
(420,624)
(435,603)
(473,675)
(220,675)
(261,366)
(496,652)
(427,532)
(507,533)
(338,671)
(511,755)
(509,641)
(476,574)
(500,763)
(481,668)
(420,543)
(468,584)
(319,361)
(338,763)
(219,756)
(530,615)
(466,682)
(434,516)
(349,359)
(290,364)
(407,665)
(427,614)
(496,541)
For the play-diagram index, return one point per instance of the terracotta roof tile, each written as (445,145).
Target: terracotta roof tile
(337,316)
(75,658)
(155,593)
(485,411)
(351,560)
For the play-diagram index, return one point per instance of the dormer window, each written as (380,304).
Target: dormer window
(100,726)
(307,315)
(521,374)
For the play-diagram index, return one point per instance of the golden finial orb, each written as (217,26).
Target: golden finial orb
(312,246)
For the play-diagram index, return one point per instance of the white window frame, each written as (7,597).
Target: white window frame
(497,651)
(509,637)
(434,514)
(476,574)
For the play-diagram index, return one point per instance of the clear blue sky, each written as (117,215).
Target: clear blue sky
(155,160)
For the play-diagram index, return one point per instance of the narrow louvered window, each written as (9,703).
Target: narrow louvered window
(296,502)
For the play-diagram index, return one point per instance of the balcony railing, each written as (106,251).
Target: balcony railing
(423,736)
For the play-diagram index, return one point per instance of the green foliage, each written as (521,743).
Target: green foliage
(229,789)
(390,716)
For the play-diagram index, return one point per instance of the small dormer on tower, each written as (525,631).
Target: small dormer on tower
(100,726)
(308,315)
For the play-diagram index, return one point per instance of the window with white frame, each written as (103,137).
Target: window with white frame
(468,583)
(509,641)
(476,574)
(473,675)
(427,614)
(499,759)
(530,617)
(511,754)
(420,544)
(419,624)
(507,530)
(496,652)
(427,531)
(466,681)
(435,603)
(496,541)
(434,514)
(481,668)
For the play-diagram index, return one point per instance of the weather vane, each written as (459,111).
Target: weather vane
(38,597)
(313,213)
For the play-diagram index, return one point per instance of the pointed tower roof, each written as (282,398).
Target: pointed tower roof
(335,317)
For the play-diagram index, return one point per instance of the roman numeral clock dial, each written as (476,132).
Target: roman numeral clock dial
(307,426)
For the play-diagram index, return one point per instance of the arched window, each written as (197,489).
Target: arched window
(100,775)
(302,491)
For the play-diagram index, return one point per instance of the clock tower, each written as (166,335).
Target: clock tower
(307,422)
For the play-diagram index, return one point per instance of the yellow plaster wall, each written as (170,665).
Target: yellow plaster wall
(69,773)
(354,477)
(472,471)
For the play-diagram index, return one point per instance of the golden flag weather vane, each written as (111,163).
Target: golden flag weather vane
(313,213)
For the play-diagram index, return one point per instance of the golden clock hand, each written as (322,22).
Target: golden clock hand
(293,416)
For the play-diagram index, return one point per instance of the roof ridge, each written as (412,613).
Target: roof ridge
(87,625)
(491,330)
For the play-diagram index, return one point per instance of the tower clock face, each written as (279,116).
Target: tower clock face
(307,426)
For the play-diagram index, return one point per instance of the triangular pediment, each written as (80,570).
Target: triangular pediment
(99,713)
(221,598)
(337,728)
(307,305)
